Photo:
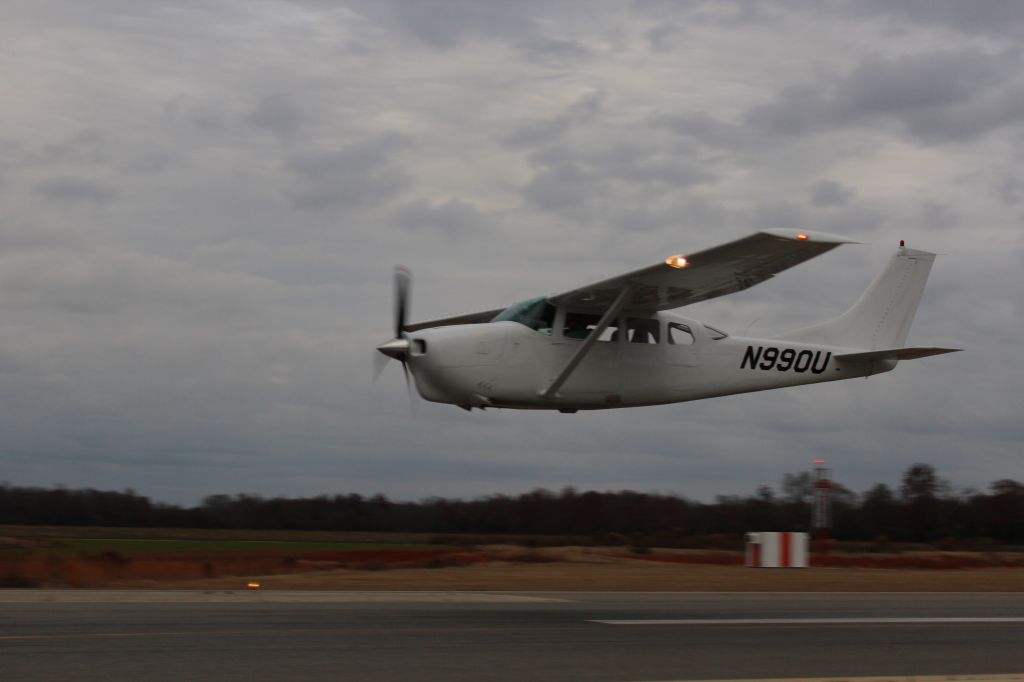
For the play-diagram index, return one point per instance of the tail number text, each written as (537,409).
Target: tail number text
(785,359)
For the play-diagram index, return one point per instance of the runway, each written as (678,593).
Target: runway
(163,635)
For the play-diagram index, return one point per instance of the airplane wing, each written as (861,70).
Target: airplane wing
(725,269)
(471,318)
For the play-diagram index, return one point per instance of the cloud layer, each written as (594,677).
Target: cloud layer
(200,205)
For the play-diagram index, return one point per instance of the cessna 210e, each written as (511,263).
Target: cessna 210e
(611,344)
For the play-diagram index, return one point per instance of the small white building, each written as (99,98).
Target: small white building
(769,549)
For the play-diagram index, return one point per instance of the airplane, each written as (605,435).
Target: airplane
(612,344)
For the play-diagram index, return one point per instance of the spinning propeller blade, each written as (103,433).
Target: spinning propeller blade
(380,361)
(408,386)
(398,347)
(403,278)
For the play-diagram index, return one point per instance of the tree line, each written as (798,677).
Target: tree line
(921,508)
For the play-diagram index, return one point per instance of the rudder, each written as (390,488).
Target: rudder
(881,317)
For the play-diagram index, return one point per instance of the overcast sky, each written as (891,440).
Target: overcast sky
(201,204)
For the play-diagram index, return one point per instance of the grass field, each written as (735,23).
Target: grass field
(87,557)
(133,546)
(219,559)
(42,533)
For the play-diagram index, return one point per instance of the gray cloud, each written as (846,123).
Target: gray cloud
(261,167)
(939,216)
(779,215)
(69,189)
(712,12)
(674,171)
(86,147)
(1010,188)
(452,216)
(995,17)
(364,172)
(560,186)
(704,129)
(447,23)
(857,221)
(150,162)
(544,131)
(936,96)
(553,52)
(827,192)
(600,181)
(664,36)
(278,114)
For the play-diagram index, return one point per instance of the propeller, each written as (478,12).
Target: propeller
(398,347)
(403,278)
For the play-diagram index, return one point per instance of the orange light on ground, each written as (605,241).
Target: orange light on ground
(677,261)
(253,585)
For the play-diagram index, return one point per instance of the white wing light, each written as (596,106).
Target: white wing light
(677,261)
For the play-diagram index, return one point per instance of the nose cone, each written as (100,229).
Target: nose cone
(395,348)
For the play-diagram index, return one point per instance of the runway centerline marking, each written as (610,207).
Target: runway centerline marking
(897,620)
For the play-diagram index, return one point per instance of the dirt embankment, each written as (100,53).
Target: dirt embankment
(496,567)
(49,567)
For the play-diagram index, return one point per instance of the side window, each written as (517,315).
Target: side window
(642,331)
(679,334)
(579,326)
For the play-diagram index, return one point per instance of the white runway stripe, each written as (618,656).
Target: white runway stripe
(1016,677)
(79,596)
(812,621)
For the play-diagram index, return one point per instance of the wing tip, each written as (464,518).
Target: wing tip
(809,236)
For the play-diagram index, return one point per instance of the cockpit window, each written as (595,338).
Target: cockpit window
(715,334)
(537,314)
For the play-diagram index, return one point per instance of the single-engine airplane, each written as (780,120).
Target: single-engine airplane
(611,344)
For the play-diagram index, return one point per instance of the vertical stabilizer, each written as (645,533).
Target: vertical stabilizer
(881,317)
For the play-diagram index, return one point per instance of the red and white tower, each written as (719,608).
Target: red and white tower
(821,511)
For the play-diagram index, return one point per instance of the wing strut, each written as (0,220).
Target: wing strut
(581,352)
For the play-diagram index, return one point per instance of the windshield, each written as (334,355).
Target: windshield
(537,314)
(715,334)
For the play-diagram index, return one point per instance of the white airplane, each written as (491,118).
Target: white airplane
(610,344)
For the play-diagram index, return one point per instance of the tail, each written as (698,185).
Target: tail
(881,318)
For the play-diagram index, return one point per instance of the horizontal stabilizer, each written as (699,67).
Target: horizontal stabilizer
(895,354)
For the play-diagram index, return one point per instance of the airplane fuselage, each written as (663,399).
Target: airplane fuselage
(614,344)
(641,360)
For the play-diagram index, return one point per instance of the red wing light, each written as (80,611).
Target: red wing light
(802,237)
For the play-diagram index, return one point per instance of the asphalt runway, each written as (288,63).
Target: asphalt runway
(96,635)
